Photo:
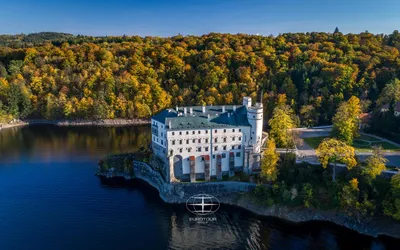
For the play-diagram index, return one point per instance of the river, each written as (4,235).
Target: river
(51,199)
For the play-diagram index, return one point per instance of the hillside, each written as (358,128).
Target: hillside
(65,76)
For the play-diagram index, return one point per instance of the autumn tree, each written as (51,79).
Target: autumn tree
(333,151)
(269,162)
(375,164)
(280,123)
(346,120)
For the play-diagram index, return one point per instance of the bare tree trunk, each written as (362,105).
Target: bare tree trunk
(334,172)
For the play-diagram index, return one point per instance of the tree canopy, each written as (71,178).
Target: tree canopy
(53,75)
(332,151)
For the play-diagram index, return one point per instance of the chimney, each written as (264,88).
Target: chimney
(234,107)
(177,109)
(191,110)
(204,109)
(169,124)
(223,109)
(184,110)
(247,101)
(208,117)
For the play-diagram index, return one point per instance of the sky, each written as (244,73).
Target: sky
(188,17)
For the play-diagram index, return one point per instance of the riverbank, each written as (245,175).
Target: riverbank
(101,122)
(239,194)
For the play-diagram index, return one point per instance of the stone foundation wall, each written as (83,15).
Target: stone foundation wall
(179,192)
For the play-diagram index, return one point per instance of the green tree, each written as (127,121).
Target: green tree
(269,162)
(392,203)
(307,194)
(333,151)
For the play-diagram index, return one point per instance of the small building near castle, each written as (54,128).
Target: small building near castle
(204,142)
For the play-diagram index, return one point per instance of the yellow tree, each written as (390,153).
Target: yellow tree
(332,150)
(280,124)
(375,163)
(269,161)
(346,120)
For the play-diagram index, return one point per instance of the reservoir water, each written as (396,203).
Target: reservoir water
(50,199)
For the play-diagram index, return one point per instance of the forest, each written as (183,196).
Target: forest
(63,76)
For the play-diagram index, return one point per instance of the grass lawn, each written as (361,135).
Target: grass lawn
(359,145)
(314,141)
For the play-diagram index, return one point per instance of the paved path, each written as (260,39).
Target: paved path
(306,153)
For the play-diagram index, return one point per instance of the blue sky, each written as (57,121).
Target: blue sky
(168,18)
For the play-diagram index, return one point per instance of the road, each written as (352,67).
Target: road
(307,153)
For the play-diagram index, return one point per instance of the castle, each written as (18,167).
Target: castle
(204,142)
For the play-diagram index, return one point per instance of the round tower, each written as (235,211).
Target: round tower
(255,118)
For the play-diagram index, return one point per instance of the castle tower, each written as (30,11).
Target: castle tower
(255,118)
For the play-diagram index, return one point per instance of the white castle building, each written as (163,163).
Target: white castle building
(204,142)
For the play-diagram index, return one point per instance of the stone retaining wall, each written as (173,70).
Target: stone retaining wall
(178,192)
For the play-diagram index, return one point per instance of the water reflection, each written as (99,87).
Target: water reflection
(50,199)
(47,143)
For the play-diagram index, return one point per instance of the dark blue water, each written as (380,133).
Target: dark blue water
(51,199)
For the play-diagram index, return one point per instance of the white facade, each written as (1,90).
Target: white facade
(206,149)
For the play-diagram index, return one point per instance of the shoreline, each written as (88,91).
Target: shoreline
(237,194)
(80,122)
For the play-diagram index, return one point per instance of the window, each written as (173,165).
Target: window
(194,140)
(233,130)
(206,149)
(187,132)
(233,138)
(173,133)
(240,138)
(213,156)
(193,132)
(224,130)
(237,154)
(180,141)
(198,149)
(206,131)
(225,139)
(162,142)
(199,140)
(215,131)
(233,147)
(240,130)
(180,133)
(187,141)
(223,155)
(162,134)
(180,150)
(162,126)
(216,140)
(198,132)
(224,147)
(189,149)
(239,146)
(254,116)
(206,140)
(173,142)
(216,148)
